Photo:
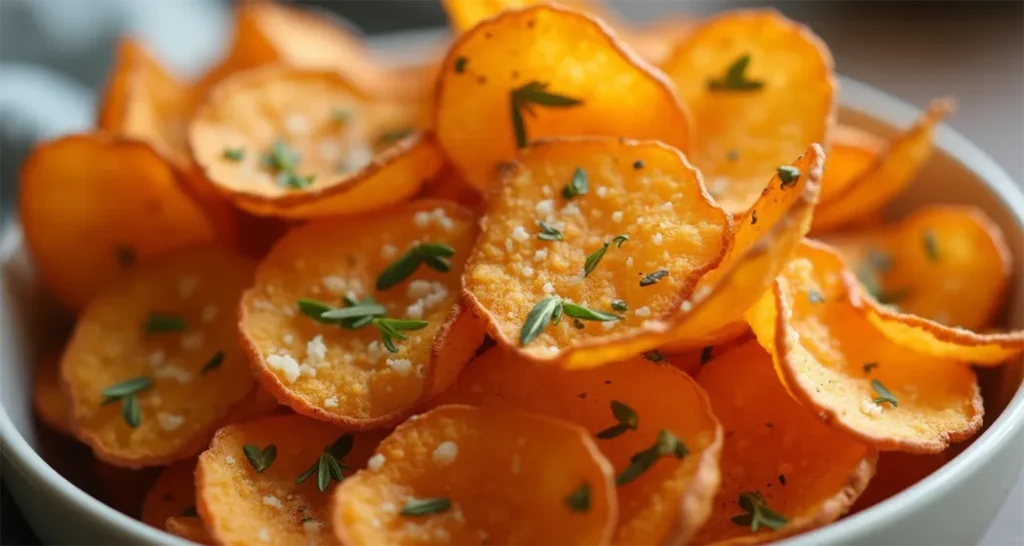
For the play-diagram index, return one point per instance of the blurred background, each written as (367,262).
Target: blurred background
(55,55)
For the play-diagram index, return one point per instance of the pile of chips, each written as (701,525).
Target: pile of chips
(554,287)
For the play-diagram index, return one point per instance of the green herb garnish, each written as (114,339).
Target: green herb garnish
(883,394)
(706,354)
(128,387)
(523,98)
(788,174)
(281,157)
(620,306)
(782,479)
(341,115)
(460,64)
(215,361)
(627,420)
(548,233)
(328,465)
(579,185)
(733,155)
(425,507)
(654,356)
(869,366)
(735,78)
(815,297)
(758,514)
(234,154)
(595,257)
(434,255)
(162,323)
(130,410)
(931,245)
(638,164)
(579,499)
(291,179)
(667,444)
(393,136)
(652,278)
(391,330)
(549,311)
(260,459)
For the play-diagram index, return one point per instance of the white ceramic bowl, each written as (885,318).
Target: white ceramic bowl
(952,506)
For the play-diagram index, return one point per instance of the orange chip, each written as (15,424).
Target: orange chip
(776,454)
(172,495)
(640,236)
(851,152)
(886,177)
(835,361)
(666,503)
(297,143)
(464,475)
(117,203)
(347,374)
(465,14)
(188,528)
(761,89)
(154,365)
(896,472)
(545,71)
(146,102)
(247,481)
(449,186)
(51,404)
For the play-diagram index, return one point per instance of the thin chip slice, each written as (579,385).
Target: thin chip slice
(346,373)
(637,227)
(154,365)
(851,152)
(95,205)
(51,405)
(172,495)
(891,172)
(465,14)
(668,500)
(464,475)
(296,143)
(801,469)
(190,528)
(545,71)
(835,361)
(761,89)
(247,481)
(896,472)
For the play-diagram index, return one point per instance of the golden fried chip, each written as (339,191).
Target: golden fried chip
(465,14)
(836,362)
(404,263)
(172,495)
(297,143)
(190,528)
(779,463)
(761,89)
(269,481)
(886,177)
(665,498)
(464,475)
(94,205)
(851,152)
(545,71)
(154,365)
(612,234)
(48,399)
(896,472)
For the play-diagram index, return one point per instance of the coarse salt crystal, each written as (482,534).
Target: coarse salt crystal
(508,244)
(545,207)
(388,251)
(572,209)
(208,314)
(401,366)
(229,459)
(617,216)
(445,453)
(316,351)
(311,526)
(374,463)
(667,206)
(629,261)
(170,421)
(540,255)
(187,286)
(296,124)
(331,402)
(643,311)
(263,535)
(527,271)
(548,288)
(602,191)
(175,372)
(519,234)
(421,219)
(306,369)
(686,306)
(156,358)
(657,238)
(271,500)
(608,324)
(192,341)
(418,288)
(288,339)
(286,365)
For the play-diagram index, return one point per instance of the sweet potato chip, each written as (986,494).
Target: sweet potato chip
(851,152)
(248,480)
(464,475)
(154,365)
(761,89)
(663,505)
(48,399)
(835,361)
(886,177)
(896,472)
(297,143)
(600,230)
(189,528)
(341,370)
(545,71)
(777,455)
(172,495)
(94,205)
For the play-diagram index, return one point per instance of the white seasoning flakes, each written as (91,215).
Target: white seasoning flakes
(208,314)
(271,500)
(527,271)
(519,234)
(445,453)
(307,370)
(643,311)
(657,238)
(686,306)
(157,358)
(629,261)
(617,216)
(602,191)
(374,463)
(609,324)
(548,288)
(331,402)
(386,507)
(508,244)
(296,124)
(421,219)
(417,288)
(187,286)
(540,255)
(340,286)
(263,535)
(316,351)
(330,151)
(175,372)
(286,365)
(572,209)
(170,421)
(546,190)
(311,526)
(437,216)
(401,366)
(388,251)
(229,459)
(374,351)
(869,408)
(667,206)
(191,341)
(545,208)
(287,339)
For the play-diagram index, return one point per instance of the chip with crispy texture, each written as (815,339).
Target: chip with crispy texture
(118,204)
(242,504)
(886,177)
(851,152)
(48,399)
(465,475)
(296,143)
(663,505)
(761,89)
(154,365)
(803,469)
(836,362)
(642,191)
(347,375)
(568,75)
(173,494)
(190,528)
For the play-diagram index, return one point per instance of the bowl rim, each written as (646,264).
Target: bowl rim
(854,96)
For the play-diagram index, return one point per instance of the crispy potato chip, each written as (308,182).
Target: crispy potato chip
(805,471)
(691,360)
(347,374)
(761,89)
(664,505)
(51,404)
(545,71)
(247,480)
(851,152)
(189,528)
(146,102)
(172,495)
(835,361)
(638,234)
(118,204)
(896,472)
(464,475)
(154,365)
(886,177)
(297,143)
